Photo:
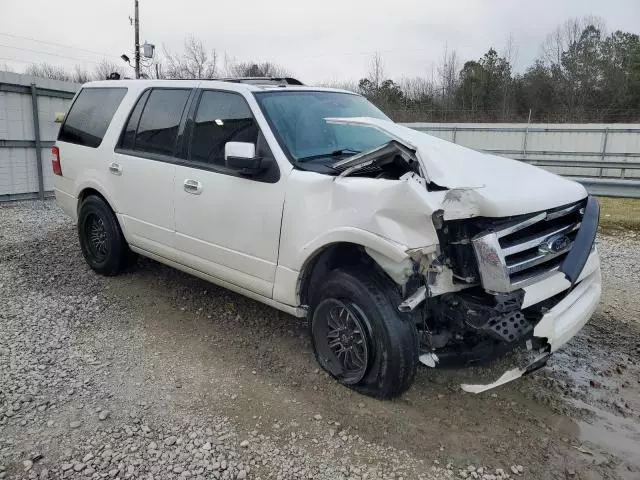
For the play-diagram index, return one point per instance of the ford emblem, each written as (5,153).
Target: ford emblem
(555,244)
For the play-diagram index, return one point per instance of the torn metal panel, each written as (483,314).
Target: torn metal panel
(461,203)
(400,272)
(502,187)
(557,327)
(387,216)
(377,156)
(508,376)
(429,359)
(411,302)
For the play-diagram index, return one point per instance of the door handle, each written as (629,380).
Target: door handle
(193,187)
(115,168)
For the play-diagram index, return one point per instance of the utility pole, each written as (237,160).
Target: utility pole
(137,40)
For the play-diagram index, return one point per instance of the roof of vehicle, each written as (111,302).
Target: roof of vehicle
(233,84)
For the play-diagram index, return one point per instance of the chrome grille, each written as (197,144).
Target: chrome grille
(526,250)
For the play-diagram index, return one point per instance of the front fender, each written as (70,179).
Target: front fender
(393,250)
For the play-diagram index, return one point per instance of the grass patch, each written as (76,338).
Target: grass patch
(619,214)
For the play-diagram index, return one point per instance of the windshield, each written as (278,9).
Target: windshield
(298,119)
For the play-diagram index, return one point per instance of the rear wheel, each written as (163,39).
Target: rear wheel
(358,335)
(101,240)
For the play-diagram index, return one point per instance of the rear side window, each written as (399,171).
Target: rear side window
(221,117)
(158,126)
(129,137)
(90,115)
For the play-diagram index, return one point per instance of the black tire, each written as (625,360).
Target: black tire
(101,240)
(367,305)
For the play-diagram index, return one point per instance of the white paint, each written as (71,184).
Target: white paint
(494,185)
(557,283)
(398,271)
(257,238)
(563,321)
(506,377)
(558,325)
(429,359)
(234,223)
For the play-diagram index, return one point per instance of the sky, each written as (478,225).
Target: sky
(320,41)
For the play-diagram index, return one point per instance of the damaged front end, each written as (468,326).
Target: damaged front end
(498,278)
(527,283)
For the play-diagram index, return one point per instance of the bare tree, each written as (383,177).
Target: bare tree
(194,62)
(448,76)
(45,70)
(349,85)
(510,55)
(376,71)
(566,35)
(4,67)
(106,68)
(235,68)
(80,75)
(417,89)
(510,51)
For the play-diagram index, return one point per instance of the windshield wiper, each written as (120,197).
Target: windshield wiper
(335,153)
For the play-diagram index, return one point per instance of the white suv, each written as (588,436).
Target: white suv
(398,247)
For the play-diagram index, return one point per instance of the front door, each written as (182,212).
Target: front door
(227,225)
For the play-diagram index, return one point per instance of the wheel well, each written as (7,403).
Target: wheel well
(87,192)
(331,257)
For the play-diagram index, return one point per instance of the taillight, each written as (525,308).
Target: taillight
(55,161)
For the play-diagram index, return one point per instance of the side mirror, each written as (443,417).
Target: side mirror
(241,156)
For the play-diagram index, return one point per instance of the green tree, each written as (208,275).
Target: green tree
(486,85)
(621,70)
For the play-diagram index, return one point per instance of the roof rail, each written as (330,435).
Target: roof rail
(262,80)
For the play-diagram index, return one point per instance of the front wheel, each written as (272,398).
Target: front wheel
(358,335)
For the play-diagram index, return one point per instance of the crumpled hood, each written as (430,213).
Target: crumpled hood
(500,186)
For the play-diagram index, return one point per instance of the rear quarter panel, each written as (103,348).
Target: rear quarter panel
(85,167)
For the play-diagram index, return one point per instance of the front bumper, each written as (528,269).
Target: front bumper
(559,324)
(566,319)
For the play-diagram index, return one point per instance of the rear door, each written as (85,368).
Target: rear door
(227,225)
(143,171)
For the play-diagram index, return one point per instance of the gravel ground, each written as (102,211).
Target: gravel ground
(156,374)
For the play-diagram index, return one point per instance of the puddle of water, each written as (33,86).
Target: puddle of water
(618,435)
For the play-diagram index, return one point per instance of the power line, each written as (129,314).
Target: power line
(49,53)
(55,44)
(14,60)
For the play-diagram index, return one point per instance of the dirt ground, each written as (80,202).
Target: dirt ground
(180,354)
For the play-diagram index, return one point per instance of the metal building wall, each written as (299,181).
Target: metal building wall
(604,157)
(19,172)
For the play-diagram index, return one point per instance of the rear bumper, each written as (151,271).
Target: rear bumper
(68,203)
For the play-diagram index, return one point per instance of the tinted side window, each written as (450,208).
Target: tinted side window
(221,117)
(160,120)
(90,115)
(129,136)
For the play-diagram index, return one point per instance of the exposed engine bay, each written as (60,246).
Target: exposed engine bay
(389,161)
(474,325)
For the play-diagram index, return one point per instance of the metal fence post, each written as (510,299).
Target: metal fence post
(605,137)
(36,131)
(455,131)
(524,142)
